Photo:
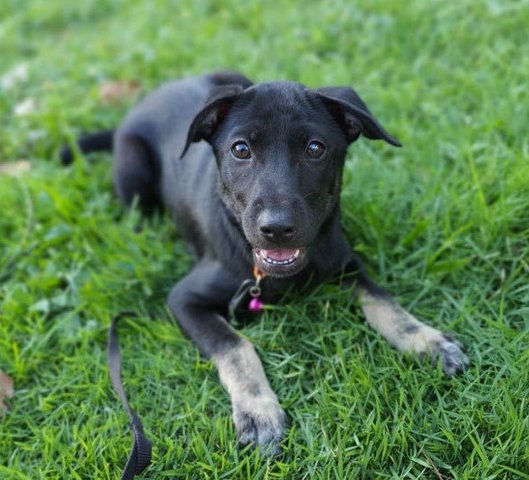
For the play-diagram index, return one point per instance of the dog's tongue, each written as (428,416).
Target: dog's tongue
(280,253)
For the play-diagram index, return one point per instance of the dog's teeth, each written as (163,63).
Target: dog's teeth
(262,255)
(271,261)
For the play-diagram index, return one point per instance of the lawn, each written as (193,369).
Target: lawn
(442,223)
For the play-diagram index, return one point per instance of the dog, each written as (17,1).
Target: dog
(252,176)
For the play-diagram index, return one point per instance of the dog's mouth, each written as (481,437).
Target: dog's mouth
(280,262)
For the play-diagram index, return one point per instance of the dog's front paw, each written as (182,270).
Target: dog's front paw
(452,356)
(260,422)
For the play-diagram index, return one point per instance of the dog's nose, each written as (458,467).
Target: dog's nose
(277,228)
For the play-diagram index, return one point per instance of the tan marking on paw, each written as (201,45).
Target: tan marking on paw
(257,415)
(408,334)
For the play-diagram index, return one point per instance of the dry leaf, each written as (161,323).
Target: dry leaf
(115,92)
(6,389)
(15,169)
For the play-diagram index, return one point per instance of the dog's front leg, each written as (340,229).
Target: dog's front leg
(197,302)
(401,328)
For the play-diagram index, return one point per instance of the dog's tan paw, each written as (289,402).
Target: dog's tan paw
(262,423)
(452,355)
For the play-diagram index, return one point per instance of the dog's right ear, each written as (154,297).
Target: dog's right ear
(208,119)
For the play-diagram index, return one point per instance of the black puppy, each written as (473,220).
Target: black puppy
(252,175)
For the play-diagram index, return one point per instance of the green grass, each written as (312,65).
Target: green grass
(442,223)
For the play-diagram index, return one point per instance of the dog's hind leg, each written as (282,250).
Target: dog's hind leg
(136,172)
(402,329)
(199,302)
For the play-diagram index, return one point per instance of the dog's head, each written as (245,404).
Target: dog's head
(280,149)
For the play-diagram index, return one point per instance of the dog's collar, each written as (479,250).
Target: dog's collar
(249,287)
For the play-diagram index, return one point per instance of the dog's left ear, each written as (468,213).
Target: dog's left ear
(353,115)
(207,120)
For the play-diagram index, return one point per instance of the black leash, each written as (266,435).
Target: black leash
(140,456)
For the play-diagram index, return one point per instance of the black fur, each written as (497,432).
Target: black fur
(174,150)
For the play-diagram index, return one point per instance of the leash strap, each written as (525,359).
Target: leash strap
(140,456)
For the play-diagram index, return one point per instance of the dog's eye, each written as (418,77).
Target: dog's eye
(241,151)
(315,150)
